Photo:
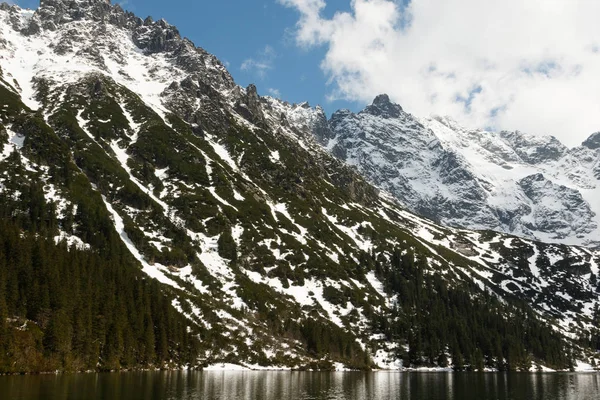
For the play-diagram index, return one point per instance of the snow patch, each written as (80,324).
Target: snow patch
(154,271)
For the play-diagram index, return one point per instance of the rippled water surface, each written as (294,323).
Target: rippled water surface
(302,385)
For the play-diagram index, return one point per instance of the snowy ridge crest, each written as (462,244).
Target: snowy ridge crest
(505,181)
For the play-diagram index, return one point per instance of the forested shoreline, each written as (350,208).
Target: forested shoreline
(64,309)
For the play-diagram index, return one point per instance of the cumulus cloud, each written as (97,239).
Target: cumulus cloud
(532,65)
(260,64)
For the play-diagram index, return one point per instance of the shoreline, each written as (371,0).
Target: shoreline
(227,367)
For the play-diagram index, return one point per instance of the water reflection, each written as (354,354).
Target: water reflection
(302,385)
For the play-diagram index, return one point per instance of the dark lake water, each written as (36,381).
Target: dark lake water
(301,385)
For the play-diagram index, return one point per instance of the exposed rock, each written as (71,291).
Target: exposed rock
(383,107)
(535,149)
(593,142)
(555,208)
(471,179)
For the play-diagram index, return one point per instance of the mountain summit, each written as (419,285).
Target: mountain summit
(593,142)
(383,107)
(475,179)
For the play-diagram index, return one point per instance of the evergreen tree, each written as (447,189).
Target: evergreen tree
(226,246)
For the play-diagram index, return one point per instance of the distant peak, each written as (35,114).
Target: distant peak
(383,107)
(593,142)
(341,113)
(382,99)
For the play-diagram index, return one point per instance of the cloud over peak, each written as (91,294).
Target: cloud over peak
(532,65)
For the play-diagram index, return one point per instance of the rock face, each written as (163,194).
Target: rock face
(555,208)
(508,181)
(383,107)
(593,142)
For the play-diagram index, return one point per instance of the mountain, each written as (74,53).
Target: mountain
(197,222)
(510,182)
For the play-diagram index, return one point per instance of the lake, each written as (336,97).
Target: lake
(233,385)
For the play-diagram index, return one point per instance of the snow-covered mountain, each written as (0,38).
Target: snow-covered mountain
(275,251)
(510,182)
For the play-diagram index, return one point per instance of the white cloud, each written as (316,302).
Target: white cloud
(274,92)
(532,65)
(262,63)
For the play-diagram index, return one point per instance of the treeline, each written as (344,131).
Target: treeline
(68,309)
(456,325)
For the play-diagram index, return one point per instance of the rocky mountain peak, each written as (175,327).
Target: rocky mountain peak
(473,179)
(340,114)
(93,24)
(593,142)
(249,106)
(53,13)
(382,99)
(75,8)
(383,107)
(535,149)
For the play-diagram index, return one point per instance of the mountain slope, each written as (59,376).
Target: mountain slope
(509,181)
(275,252)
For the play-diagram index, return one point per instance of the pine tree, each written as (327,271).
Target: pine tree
(477,360)
(226,246)
(149,341)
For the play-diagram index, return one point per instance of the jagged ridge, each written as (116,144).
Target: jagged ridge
(473,179)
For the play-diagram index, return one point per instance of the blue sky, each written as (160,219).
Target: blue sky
(240,30)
